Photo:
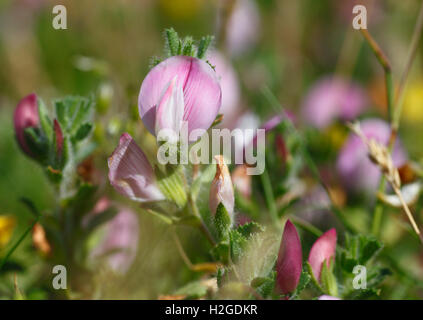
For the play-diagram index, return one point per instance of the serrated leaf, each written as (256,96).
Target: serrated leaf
(369,248)
(249,229)
(237,244)
(305,279)
(221,252)
(265,286)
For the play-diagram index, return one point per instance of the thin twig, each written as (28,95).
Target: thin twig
(181,250)
(386,65)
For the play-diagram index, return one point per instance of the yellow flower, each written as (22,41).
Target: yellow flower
(7,224)
(413,103)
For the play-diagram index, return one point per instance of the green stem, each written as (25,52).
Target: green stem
(16,245)
(384,62)
(270,199)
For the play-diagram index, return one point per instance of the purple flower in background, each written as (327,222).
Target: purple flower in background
(230,88)
(355,168)
(323,250)
(120,242)
(332,98)
(202,95)
(289,264)
(243,27)
(25,116)
(131,174)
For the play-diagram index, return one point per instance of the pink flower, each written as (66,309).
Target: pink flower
(221,190)
(201,92)
(332,98)
(243,27)
(122,234)
(326,297)
(230,88)
(355,168)
(289,264)
(26,116)
(170,111)
(131,174)
(322,250)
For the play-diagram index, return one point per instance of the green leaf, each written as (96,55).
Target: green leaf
(171,184)
(328,280)
(193,290)
(237,244)
(305,279)
(83,131)
(36,143)
(248,229)
(222,222)
(264,286)
(221,252)
(203,46)
(72,112)
(369,247)
(188,48)
(314,281)
(172,41)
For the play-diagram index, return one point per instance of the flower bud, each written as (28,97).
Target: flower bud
(131,174)
(26,116)
(289,264)
(357,171)
(201,92)
(221,190)
(323,250)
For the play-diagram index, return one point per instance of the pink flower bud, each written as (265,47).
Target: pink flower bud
(26,116)
(322,250)
(332,98)
(356,170)
(289,264)
(131,174)
(59,138)
(201,92)
(221,190)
